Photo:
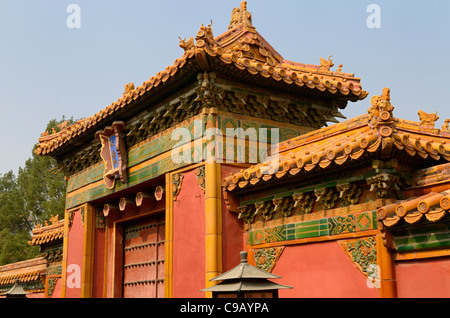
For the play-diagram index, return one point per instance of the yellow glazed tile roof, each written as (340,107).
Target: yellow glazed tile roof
(348,141)
(48,233)
(432,206)
(25,271)
(239,49)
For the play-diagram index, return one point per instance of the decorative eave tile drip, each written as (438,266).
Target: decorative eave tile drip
(240,47)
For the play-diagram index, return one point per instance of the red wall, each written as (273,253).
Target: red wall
(99,263)
(189,239)
(321,270)
(75,257)
(232,230)
(424,278)
(57,290)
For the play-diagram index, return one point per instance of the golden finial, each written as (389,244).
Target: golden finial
(241,16)
(386,94)
(381,109)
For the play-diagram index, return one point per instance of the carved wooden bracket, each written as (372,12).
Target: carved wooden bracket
(247,213)
(326,198)
(349,193)
(386,185)
(284,205)
(265,209)
(300,203)
(304,202)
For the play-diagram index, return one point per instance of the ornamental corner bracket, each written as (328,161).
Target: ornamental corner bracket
(113,153)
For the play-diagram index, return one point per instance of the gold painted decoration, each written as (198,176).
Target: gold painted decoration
(113,153)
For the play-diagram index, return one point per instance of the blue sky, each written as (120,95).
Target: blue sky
(48,70)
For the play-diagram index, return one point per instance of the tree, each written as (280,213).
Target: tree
(37,194)
(14,227)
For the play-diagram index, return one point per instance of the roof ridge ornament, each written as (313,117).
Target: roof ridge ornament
(325,65)
(186,46)
(241,16)
(427,121)
(380,113)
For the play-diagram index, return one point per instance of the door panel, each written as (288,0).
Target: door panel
(144,258)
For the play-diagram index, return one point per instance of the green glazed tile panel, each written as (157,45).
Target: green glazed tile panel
(426,237)
(335,225)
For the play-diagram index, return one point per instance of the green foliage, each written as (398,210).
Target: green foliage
(42,188)
(34,196)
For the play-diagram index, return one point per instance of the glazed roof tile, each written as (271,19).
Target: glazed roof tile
(346,142)
(432,206)
(25,271)
(48,233)
(241,48)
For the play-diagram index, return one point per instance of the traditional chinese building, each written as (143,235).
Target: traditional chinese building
(39,277)
(356,209)
(367,197)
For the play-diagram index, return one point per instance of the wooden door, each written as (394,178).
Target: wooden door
(143,272)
